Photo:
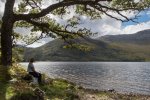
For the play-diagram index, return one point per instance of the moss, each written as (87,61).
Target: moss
(59,89)
(10,92)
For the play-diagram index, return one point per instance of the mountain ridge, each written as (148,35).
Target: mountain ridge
(104,49)
(141,37)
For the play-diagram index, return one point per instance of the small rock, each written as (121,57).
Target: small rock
(27,77)
(80,87)
(92,96)
(111,90)
(70,86)
(39,93)
(13,80)
(48,81)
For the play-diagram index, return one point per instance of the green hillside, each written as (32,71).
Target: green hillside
(134,47)
(54,51)
(139,51)
(141,38)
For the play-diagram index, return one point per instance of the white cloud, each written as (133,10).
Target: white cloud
(46,3)
(148,13)
(1,8)
(40,42)
(128,14)
(136,1)
(3,1)
(135,28)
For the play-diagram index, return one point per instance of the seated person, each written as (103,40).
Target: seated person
(31,70)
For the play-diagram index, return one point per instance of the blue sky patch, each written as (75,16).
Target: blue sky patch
(143,17)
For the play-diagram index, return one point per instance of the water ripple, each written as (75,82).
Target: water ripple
(121,76)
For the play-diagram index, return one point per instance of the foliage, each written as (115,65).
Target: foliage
(17,54)
(95,9)
(125,4)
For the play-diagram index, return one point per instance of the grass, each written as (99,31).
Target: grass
(55,89)
(59,89)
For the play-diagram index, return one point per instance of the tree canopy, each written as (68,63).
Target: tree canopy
(30,13)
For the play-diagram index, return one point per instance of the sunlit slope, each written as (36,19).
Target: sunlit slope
(101,51)
(137,44)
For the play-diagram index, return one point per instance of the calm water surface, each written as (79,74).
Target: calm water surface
(124,77)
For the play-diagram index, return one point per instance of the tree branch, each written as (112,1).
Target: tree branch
(38,23)
(53,7)
(65,34)
(95,4)
(100,7)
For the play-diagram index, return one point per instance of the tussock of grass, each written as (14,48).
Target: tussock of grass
(60,89)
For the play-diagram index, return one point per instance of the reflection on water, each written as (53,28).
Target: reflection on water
(121,76)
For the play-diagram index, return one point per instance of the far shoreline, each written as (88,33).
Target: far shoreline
(92,61)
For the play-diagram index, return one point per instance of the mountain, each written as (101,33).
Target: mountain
(54,51)
(106,48)
(142,37)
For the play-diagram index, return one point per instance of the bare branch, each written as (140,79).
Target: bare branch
(37,39)
(36,5)
(101,9)
(64,33)
(33,4)
(38,23)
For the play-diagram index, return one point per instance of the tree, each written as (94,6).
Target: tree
(30,14)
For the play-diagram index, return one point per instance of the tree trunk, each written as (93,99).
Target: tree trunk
(6,33)
(4,77)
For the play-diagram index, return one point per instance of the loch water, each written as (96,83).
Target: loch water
(123,77)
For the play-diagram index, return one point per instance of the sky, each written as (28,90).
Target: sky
(104,26)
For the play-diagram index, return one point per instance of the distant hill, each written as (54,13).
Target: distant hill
(142,37)
(131,47)
(54,51)
(106,48)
